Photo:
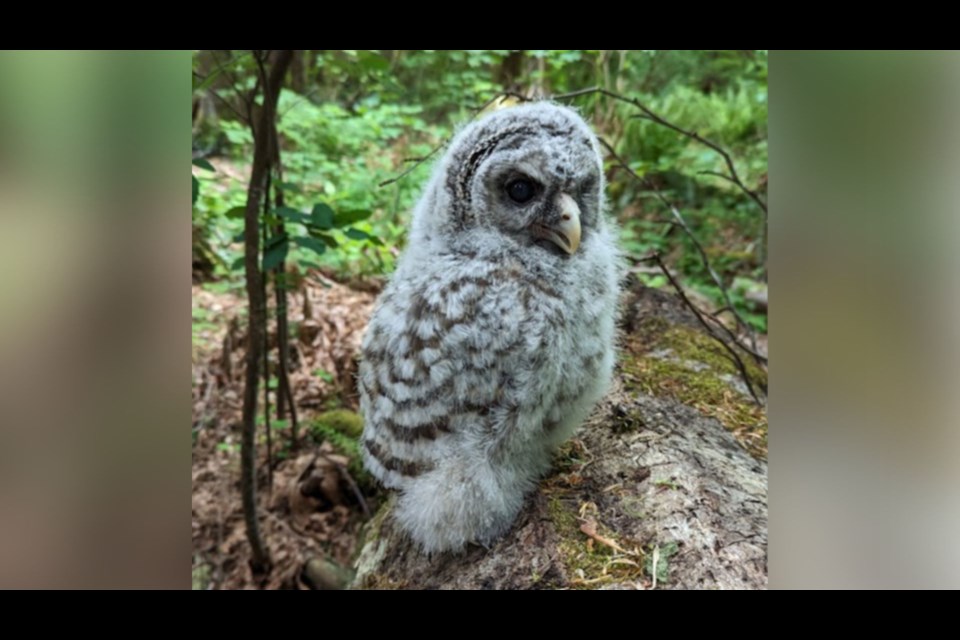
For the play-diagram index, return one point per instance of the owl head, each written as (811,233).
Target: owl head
(528,176)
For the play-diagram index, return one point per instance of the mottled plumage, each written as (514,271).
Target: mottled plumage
(495,337)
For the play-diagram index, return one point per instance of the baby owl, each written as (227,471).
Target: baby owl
(495,337)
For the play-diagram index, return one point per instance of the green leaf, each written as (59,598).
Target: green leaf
(237,264)
(322,216)
(196,189)
(372,61)
(356,234)
(279,424)
(275,255)
(324,375)
(344,218)
(289,186)
(274,241)
(311,243)
(237,213)
(328,239)
(293,215)
(204,164)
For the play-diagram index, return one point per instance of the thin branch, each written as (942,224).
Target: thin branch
(247,99)
(303,98)
(411,168)
(242,118)
(649,114)
(344,473)
(706,325)
(646,113)
(418,161)
(680,222)
(717,174)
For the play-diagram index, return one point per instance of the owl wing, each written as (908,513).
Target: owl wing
(441,370)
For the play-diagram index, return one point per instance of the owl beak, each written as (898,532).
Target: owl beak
(566,234)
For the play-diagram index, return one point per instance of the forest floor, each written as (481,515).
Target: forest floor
(304,515)
(328,319)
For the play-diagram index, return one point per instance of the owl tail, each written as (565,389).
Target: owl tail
(460,503)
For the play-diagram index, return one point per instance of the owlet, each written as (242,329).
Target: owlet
(495,336)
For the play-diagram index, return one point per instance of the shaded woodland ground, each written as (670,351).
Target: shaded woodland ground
(675,387)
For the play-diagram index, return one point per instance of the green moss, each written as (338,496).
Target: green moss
(344,421)
(338,428)
(691,367)
(588,564)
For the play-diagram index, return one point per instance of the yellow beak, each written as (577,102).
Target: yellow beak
(566,234)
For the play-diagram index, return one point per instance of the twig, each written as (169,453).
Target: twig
(298,102)
(418,161)
(225,102)
(680,222)
(410,169)
(646,113)
(344,473)
(246,98)
(649,114)
(706,325)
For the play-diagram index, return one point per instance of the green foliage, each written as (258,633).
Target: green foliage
(349,120)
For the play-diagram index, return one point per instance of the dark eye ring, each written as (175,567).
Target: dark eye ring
(521,190)
(589,185)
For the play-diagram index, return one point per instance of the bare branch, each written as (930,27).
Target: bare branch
(649,114)
(242,118)
(345,474)
(411,168)
(706,325)
(418,161)
(679,221)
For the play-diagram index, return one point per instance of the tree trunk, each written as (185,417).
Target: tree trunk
(256,324)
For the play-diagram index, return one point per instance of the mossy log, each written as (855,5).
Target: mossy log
(665,486)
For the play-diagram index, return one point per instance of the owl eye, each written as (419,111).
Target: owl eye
(588,186)
(521,190)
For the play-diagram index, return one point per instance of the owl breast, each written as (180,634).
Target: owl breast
(485,356)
